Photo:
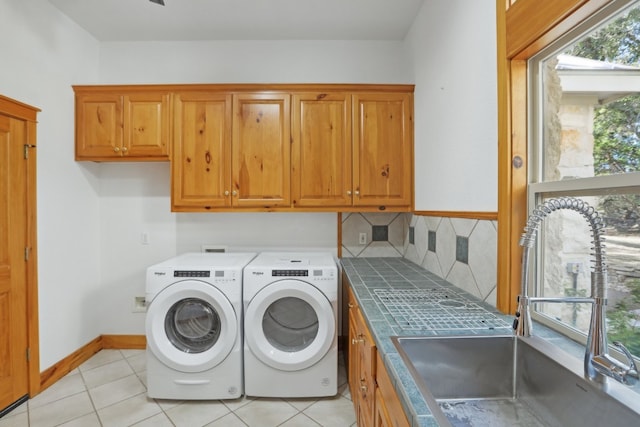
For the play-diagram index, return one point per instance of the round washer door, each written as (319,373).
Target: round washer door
(289,325)
(191,326)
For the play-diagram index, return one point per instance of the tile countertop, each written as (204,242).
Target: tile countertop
(371,280)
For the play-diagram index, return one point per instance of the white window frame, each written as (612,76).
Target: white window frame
(576,187)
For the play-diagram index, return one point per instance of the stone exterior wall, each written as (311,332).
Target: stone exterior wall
(568,154)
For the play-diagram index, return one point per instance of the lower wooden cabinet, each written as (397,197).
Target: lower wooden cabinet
(374,398)
(364,386)
(389,412)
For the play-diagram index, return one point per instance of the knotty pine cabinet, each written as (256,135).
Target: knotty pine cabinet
(382,149)
(122,123)
(321,153)
(261,150)
(231,150)
(201,154)
(389,412)
(278,147)
(374,398)
(361,366)
(353,150)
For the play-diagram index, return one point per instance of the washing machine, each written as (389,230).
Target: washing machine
(290,325)
(194,326)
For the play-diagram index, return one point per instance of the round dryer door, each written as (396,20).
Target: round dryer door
(191,326)
(289,325)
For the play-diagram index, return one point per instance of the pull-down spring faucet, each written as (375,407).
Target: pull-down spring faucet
(597,360)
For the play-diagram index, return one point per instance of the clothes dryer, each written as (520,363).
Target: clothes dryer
(290,325)
(194,326)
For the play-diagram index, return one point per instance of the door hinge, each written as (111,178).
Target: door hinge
(26,149)
(28,354)
(27,250)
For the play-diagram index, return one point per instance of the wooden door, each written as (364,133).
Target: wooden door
(383,146)
(14,374)
(201,165)
(147,125)
(98,125)
(321,151)
(261,158)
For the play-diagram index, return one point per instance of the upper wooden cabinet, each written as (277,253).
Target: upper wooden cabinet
(201,160)
(382,149)
(231,150)
(117,124)
(298,147)
(353,150)
(321,152)
(261,150)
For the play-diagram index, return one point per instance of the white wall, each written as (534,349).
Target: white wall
(134,199)
(453,46)
(43,54)
(254,62)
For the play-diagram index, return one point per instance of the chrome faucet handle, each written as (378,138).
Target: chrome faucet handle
(631,375)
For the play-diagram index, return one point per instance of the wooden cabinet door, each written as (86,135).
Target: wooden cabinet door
(383,146)
(98,125)
(201,165)
(261,158)
(361,366)
(382,415)
(353,358)
(366,371)
(321,151)
(389,410)
(147,125)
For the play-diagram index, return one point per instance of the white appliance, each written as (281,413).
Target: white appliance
(194,326)
(290,325)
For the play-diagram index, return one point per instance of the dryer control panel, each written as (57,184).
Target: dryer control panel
(314,273)
(289,273)
(191,273)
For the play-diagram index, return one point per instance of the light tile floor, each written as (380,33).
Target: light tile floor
(109,390)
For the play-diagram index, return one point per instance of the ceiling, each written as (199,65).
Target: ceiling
(181,20)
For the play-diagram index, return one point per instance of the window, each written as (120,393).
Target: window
(585,143)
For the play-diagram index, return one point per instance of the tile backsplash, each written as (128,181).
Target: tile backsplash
(461,251)
(385,234)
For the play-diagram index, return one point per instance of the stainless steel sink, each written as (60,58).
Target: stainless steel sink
(512,381)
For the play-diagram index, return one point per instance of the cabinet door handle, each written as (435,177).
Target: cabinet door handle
(350,305)
(357,192)
(363,385)
(226,192)
(234,193)
(116,149)
(359,340)
(124,149)
(349,193)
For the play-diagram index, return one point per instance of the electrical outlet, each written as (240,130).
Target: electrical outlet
(362,238)
(139,305)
